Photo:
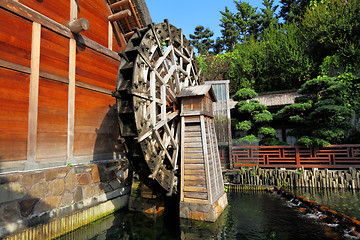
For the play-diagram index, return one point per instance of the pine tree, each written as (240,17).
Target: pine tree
(201,39)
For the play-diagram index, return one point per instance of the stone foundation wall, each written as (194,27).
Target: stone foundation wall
(29,199)
(312,178)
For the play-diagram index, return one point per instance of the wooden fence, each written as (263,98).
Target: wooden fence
(332,157)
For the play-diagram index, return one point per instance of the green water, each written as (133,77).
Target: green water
(249,216)
(340,200)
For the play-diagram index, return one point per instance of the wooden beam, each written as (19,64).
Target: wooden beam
(31,15)
(33,96)
(119,4)
(120,15)
(79,25)
(96,46)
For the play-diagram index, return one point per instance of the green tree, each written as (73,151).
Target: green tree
(238,27)
(252,118)
(322,115)
(268,17)
(332,28)
(229,32)
(201,39)
(280,58)
(293,10)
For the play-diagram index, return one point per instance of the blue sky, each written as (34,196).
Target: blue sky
(188,14)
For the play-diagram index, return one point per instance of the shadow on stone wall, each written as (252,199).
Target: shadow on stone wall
(114,170)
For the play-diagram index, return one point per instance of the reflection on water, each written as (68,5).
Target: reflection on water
(249,216)
(340,200)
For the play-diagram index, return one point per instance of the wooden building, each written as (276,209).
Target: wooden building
(59,148)
(56,103)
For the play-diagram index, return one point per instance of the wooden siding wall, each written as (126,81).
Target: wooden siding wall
(55,100)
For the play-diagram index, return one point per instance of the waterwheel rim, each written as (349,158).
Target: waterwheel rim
(157,64)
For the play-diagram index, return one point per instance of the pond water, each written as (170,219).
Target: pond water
(340,200)
(249,216)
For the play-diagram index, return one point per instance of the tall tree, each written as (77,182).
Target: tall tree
(229,32)
(268,17)
(293,10)
(201,39)
(239,26)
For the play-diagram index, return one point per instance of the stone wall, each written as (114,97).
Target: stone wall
(313,178)
(33,198)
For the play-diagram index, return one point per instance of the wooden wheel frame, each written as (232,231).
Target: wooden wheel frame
(157,63)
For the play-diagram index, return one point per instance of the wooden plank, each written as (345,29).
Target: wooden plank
(54,54)
(34,92)
(104,75)
(52,120)
(194,200)
(187,176)
(95,11)
(195,172)
(194,161)
(15,44)
(194,166)
(195,189)
(196,195)
(14,102)
(96,130)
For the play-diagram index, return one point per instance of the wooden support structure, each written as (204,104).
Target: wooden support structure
(79,25)
(202,188)
(120,15)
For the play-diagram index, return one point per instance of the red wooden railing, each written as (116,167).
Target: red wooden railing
(333,156)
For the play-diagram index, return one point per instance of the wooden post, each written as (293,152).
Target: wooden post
(33,96)
(79,25)
(71,91)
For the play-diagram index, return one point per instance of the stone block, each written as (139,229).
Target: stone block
(78,194)
(11,191)
(82,169)
(83,179)
(90,191)
(95,174)
(62,172)
(32,177)
(66,199)
(56,187)
(39,190)
(47,204)
(9,212)
(27,206)
(70,180)
(50,174)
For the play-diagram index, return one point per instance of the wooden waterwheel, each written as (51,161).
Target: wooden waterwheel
(157,64)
